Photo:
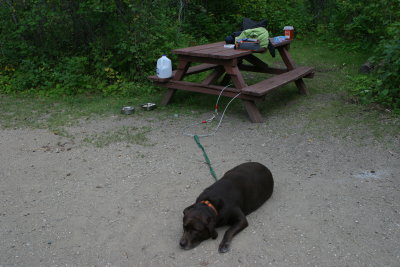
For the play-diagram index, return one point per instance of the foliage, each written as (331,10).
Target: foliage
(217,19)
(361,23)
(68,47)
(384,84)
(56,47)
(288,12)
(205,22)
(34,75)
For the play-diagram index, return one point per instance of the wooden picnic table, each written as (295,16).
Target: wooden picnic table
(228,62)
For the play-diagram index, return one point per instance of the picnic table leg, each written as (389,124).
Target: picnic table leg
(301,86)
(168,96)
(238,81)
(287,59)
(214,76)
(179,74)
(236,76)
(252,110)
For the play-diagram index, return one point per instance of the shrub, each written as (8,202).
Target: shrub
(358,24)
(63,47)
(217,19)
(383,86)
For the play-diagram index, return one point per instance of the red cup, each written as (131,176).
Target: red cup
(289,30)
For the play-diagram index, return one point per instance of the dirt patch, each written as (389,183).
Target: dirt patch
(65,201)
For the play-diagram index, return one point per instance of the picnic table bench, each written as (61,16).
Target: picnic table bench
(228,63)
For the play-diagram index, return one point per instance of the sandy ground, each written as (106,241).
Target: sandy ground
(66,203)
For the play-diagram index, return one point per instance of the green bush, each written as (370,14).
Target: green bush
(215,20)
(63,47)
(205,23)
(288,12)
(383,85)
(357,24)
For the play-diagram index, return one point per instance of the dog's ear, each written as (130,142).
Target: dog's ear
(211,228)
(187,209)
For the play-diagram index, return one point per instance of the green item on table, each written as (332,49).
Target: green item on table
(259,33)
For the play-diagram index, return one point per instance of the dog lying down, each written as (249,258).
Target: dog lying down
(239,192)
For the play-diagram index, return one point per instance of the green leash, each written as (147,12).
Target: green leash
(197,140)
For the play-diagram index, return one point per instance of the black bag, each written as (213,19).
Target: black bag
(251,24)
(231,38)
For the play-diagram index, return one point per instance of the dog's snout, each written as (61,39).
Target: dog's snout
(183,243)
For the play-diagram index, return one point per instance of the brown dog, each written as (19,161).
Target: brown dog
(227,202)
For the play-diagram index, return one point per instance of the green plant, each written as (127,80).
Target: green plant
(63,47)
(356,24)
(217,19)
(383,85)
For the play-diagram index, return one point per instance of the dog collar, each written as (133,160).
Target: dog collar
(211,206)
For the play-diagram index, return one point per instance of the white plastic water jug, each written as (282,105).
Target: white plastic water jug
(164,67)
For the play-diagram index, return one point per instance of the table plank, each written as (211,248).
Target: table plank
(191,70)
(215,50)
(263,87)
(207,89)
(197,47)
(283,43)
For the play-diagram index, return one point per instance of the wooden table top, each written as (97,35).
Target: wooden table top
(214,50)
(218,51)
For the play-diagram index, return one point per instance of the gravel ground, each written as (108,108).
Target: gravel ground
(65,202)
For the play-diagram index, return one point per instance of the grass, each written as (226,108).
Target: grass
(129,135)
(327,111)
(52,113)
(57,114)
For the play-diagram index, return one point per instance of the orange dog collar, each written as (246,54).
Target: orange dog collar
(208,203)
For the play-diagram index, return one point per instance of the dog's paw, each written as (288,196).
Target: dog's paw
(223,248)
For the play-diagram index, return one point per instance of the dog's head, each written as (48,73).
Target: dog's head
(198,225)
